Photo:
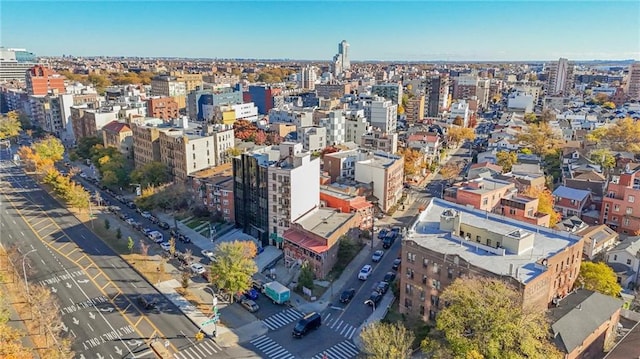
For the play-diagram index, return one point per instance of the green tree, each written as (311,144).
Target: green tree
(306,277)
(86,145)
(601,98)
(49,148)
(130,244)
(78,197)
(152,173)
(598,276)
(387,340)
(232,270)
(10,125)
(506,159)
(107,224)
(540,138)
(118,233)
(485,317)
(530,117)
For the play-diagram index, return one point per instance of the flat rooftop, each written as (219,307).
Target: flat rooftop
(547,242)
(324,221)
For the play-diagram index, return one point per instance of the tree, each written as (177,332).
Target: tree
(259,137)
(118,233)
(450,171)
(459,134)
(604,158)
(547,115)
(387,340)
(530,117)
(130,244)
(10,337)
(107,224)
(458,121)
(412,160)
(10,125)
(306,277)
(506,160)
(86,145)
(609,105)
(244,130)
(601,98)
(485,318)
(624,135)
(232,270)
(539,138)
(599,277)
(545,203)
(152,173)
(49,148)
(172,246)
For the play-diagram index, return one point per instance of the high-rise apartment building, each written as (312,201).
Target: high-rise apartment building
(308,78)
(384,115)
(465,87)
(391,92)
(633,81)
(341,61)
(335,125)
(40,80)
(560,78)
(202,102)
(436,94)
(170,86)
(415,109)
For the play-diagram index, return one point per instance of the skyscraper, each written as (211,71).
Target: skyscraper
(561,78)
(341,60)
(343,51)
(308,77)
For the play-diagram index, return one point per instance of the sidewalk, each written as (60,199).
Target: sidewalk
(377,315)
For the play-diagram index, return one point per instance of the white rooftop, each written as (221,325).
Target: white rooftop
(547,242)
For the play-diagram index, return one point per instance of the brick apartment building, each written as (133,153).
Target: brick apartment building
(343,198)
(620,210)
(119,135)
(40,80)
(214,187)
(165,108)
(448,241)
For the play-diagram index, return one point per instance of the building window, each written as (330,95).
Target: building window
(435,300)
(478,239)
(626,221)
(411,257)
(424,279)
(436,269)
(421,309)
(450,274)
(615,257)
(408,303)
(422,295)
(629,262)
(632,199)
(485,201)
(409,273)
(408,289)
(629,210)
(425,262)
(436,284)
(512,211)
(616,208)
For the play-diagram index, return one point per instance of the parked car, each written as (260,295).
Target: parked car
(165,246)
(383,232)
(374,298)
(377,255)
(365,272)
(183,238)
(156,236)
(396,264)
(131,205)
(207,253)
(164,225)
(251,294)
(347,295)
(146,214)
(258,285)
(382,287)
(389,277)
(250,305)
(146,231)
(197,268)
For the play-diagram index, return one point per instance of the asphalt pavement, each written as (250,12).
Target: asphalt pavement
(98,291)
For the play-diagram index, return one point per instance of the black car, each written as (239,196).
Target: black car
(131,205)
(164,225)
(389,277)
(147,303)
(382,287)
(374,298)
(347,295)
(382,233)
(396,264)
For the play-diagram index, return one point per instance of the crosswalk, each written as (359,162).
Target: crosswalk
(342,350)
(270,348)
(282,318)
(340,326)
(205,349)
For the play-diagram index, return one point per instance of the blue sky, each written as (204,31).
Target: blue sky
(379,30)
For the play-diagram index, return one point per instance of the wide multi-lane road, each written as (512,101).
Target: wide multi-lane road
(97,290)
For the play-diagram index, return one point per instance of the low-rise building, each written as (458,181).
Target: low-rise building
(584,323)
(598,239)
(314,239)
(214,187)
(380,141)
(346,200)
(619,207)
(386,172)
(625,261)
(570,201)
(448,241)
(481,193)
(165,108)
(119,135)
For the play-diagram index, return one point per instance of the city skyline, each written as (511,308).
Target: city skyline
(384,31)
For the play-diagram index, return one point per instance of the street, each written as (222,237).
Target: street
(97,290)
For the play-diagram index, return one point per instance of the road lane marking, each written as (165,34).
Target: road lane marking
(90,327)
(124,315)
(137,322)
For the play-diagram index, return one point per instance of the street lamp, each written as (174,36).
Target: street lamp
(371,303)
(24,270)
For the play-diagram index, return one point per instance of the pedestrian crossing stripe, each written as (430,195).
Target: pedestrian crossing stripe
(342,350)
(201,350)
(282,318)
(270,348)
(341,327)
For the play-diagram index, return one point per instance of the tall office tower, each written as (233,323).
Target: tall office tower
(343,51)
(560,78)
(14,63)
(341,60)
(633,81)
(308,78)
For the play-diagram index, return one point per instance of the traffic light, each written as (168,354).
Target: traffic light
(199,336)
